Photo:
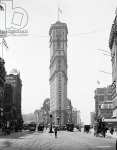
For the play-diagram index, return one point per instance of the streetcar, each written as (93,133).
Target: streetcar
(70,127)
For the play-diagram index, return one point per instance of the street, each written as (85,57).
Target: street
(65,141)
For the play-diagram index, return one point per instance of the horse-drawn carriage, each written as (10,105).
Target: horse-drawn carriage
(100,128)
(86,128)
(70,127)
(41,127)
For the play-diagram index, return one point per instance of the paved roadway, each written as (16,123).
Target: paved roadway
(64,141)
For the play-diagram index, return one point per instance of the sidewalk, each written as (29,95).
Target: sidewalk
(14,135)
(108,134)
(114,135)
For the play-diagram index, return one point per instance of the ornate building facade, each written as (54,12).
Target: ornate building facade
(13,94)
(10,99)
(2,86)
(58,72)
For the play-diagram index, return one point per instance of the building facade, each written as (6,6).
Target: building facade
(58,71)
(14,84)
(103,97)
(113,49)
(9,114)
(106,110)
(2,86)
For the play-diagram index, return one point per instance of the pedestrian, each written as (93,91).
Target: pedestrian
(111,130)
(55,131)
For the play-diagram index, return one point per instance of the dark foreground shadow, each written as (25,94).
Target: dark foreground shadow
(16,135)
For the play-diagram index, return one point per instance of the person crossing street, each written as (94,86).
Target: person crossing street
(55,131)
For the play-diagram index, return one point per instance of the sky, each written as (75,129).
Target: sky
(89,24)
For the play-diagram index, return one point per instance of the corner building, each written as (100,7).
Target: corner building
(58,72)
(103,102)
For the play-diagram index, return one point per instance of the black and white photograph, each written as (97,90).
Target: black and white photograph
(58,75)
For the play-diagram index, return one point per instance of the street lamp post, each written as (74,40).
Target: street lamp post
(1,109)
(58,119)
(1,118)
(50,124)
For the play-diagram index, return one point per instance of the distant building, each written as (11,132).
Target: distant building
(113,49)
(28,118)
(46,111)
(76,118)
(68,111)
(43,115)
(92,117)
(39,116)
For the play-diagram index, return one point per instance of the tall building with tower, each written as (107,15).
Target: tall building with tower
(58,72)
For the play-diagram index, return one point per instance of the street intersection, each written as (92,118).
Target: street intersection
(65,141)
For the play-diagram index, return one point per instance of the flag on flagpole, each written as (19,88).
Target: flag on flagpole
(59,10)
(98,82)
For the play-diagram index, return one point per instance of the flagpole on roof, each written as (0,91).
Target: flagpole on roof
(58,13)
